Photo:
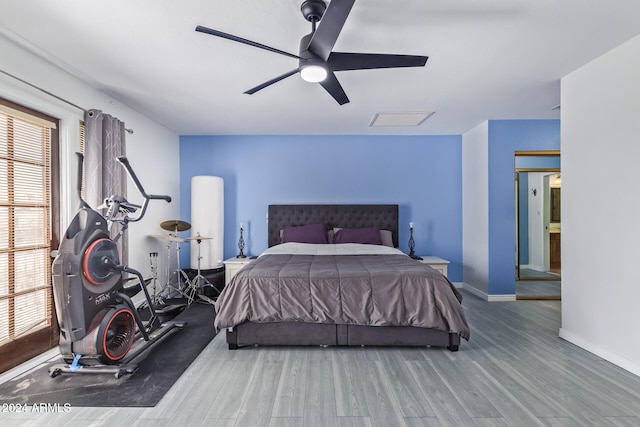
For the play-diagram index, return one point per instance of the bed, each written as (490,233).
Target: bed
(350,287)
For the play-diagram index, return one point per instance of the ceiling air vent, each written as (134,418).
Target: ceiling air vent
(400,119)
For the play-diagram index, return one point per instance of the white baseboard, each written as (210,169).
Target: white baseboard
(607,355)
(490,298)
(502,298)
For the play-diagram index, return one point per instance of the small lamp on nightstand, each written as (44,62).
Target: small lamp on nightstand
(412,243)
(241,245)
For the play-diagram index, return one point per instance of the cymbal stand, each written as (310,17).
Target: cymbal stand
(180,273)
(168,269)
(175,284)
(197,282)
(153,260)
(167,287)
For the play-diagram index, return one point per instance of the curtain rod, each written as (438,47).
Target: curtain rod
(129,131)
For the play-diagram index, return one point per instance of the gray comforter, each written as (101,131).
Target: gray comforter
(379,290)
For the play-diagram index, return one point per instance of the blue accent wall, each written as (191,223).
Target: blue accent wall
(505,138)
(422,174)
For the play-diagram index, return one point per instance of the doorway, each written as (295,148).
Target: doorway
(538,184)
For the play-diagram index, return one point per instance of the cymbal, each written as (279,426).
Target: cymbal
(175,225)
(168,237)
(198,237)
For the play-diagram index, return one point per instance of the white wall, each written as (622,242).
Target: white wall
(600,241)
(475,209)
(153,150)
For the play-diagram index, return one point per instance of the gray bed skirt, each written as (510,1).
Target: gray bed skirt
(299,333)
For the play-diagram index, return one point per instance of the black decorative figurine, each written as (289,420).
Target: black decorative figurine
(241,244)
(412,243)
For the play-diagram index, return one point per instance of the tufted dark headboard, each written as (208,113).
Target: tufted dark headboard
(384,217)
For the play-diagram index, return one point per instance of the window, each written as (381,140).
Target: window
(28,208)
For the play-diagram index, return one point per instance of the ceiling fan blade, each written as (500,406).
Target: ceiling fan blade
(342,61)
(217,33)
(331,24)
(332,85)
(272,81)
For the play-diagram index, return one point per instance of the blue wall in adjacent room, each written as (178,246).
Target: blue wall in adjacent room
(422,174)
(505,138)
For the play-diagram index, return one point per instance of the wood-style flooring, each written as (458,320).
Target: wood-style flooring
(514,371)
(538,289)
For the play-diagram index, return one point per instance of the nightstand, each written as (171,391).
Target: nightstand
(439,264)
(232,266)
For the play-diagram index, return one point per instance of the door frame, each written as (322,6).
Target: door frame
(517,171)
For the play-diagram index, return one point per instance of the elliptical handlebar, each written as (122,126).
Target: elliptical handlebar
(147,197)
(120,202)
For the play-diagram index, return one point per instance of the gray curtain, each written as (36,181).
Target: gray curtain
(103,175)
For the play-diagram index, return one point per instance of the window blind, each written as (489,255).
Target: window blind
(26,302)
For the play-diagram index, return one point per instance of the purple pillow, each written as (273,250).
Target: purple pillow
(311,233)
(369,236)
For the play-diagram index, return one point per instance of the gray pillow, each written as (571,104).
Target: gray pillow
(385,235)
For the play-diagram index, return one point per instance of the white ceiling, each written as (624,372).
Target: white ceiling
(488,59)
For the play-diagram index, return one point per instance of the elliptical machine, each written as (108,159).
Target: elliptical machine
(97,319)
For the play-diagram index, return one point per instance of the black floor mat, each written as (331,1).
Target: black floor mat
(156,373)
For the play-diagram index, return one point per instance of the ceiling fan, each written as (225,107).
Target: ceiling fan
(316,61)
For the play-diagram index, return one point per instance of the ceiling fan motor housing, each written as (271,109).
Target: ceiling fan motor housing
(304,53)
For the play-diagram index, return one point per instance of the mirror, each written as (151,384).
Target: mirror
(538,227)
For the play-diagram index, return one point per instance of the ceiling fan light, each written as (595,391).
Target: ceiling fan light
(313,73)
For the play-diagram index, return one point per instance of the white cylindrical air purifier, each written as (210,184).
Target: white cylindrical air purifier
(207,219)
